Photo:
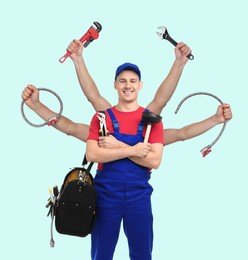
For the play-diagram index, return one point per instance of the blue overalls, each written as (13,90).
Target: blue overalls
(123,193)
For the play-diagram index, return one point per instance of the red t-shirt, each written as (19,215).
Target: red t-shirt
(128,124)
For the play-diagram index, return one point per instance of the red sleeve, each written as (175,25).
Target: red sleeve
(94,128)
(157,133)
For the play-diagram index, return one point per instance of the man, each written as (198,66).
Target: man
(121,182)
(139,154)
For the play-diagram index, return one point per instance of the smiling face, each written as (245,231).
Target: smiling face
(128,85)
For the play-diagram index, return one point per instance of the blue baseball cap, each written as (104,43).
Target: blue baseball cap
(128,66)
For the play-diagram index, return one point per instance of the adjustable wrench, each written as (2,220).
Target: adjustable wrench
(165,35)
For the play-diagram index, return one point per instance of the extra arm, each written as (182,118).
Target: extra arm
(168,86)
(86,82)
(190,131)
(31,96)
(185,133)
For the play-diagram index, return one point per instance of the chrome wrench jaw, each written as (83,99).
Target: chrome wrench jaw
(164,35)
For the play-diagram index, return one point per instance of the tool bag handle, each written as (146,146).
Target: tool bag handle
(90,165)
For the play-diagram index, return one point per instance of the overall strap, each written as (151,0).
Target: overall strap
(116,125)
(141,124)
(114,121)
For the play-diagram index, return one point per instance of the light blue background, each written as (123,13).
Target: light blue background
(199,204)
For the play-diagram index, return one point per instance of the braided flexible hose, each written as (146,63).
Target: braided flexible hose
(51,120)
(207,148)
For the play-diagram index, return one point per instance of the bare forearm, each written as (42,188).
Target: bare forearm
(63,124)
(46,114)
(104,155)
(189,131)
(86,82)
(199,128)
(89,87)
(43,111)
(152,160)
(167,88)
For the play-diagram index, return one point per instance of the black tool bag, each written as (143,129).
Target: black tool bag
(74,206)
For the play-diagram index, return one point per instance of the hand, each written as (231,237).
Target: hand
(182,50)
(109,142)
(76,49)
(141,150)
(224,113)
(30,95)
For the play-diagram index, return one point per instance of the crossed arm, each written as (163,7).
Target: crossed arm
(145,154)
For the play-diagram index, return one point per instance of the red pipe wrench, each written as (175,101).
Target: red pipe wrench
(87,38)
